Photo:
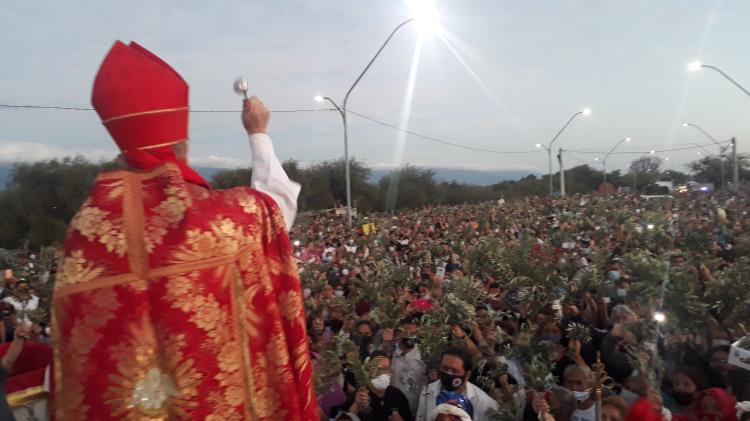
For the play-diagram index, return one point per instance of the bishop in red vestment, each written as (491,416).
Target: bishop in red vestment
(175,300)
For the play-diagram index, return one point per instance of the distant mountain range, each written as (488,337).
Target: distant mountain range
(478,177)
(4,174)
(482,178)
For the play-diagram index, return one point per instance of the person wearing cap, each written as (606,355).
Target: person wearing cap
(174,300)
(452,406)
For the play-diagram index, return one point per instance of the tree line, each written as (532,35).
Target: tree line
(42,197)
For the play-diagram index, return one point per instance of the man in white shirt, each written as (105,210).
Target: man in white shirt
(579,380)
(455,370)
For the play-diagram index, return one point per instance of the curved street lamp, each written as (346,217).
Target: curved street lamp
(584,112)
(604,161)
(427,21)
(697,65)
(722,150)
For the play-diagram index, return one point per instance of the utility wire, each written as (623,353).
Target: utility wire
(49,107)
(646,152)
(413,133)
(382,123)
(434,139)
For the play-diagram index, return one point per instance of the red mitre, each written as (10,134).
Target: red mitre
(143,103)
(141,100)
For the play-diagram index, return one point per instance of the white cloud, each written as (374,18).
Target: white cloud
(213,161)
(12,151)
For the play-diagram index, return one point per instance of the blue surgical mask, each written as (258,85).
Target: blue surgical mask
(614,275)
(586,251)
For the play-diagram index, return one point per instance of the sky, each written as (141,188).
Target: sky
(502,75)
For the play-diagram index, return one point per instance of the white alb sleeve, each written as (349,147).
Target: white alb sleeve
(270,178)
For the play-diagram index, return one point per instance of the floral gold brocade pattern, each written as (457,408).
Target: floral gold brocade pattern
(210,327)
(96,225)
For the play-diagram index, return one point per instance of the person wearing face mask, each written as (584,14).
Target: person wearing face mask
(454,373)
(379,401)
(364,338)
(621,291)
(408,367)
(687,383)
(579,380)
(552,332)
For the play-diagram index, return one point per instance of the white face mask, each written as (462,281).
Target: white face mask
(581,396)
(622,292)
(381,382)
(345,272)
(306,292)
(720,342)
(48,331)
(339,293)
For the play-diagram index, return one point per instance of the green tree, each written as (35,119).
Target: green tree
(327,180)
(408,187)
(708,169)
(229,178)
(42,198)
(646,170)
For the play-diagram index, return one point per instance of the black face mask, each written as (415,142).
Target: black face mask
(683,398)
(408,343)
(450,382)
(335,325)
(362,340)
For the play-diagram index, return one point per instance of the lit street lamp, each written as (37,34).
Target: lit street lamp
(426,22)
(697,65)
(584,112)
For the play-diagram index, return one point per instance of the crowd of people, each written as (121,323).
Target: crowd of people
(530,309)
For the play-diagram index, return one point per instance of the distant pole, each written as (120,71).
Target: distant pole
(721,149)
(735,166)
(562,172)
(584,112)
(604,161)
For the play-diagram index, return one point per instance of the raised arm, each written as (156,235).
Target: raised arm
(268,175)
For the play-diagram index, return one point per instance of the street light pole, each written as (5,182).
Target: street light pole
(721,151)
(583,112)
(697,65)
(735,167)
(342,111)
(604,161)
(562,172)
